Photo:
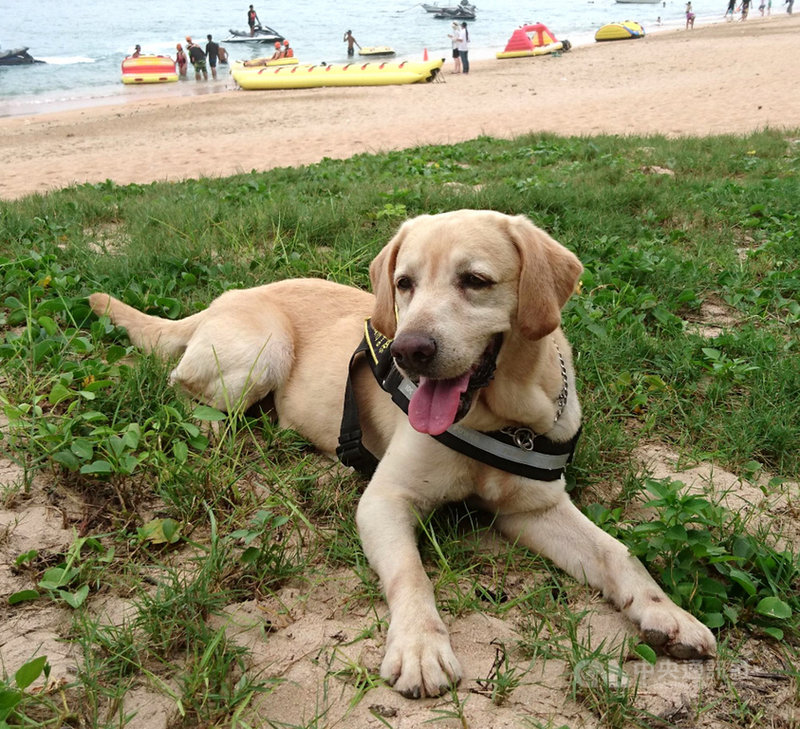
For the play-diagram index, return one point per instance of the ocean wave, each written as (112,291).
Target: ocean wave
(65,60)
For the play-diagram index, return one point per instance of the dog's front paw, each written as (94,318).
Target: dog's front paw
(419,661)
(673,631)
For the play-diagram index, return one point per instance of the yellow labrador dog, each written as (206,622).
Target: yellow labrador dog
(471,301)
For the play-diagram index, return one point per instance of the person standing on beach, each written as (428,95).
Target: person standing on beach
(789,4)
(456,55)
(252,19)
(745,8)
(212,53)
(198,59)
(463,48)
(348,38)
(689,16)
(180,60)
(731,10)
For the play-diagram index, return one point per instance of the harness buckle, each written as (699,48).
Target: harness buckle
(351,452)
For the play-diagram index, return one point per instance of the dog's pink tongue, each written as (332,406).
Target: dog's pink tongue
(434,405)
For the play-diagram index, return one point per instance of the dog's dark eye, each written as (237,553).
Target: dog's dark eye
(404,283)
(474,281)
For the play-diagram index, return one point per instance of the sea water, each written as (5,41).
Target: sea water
(83,42)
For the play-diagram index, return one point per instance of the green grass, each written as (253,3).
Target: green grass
(179,523)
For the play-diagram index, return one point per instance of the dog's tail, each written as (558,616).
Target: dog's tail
(150,333)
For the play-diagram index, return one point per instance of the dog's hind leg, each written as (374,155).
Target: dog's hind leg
(232,354)
(231,363)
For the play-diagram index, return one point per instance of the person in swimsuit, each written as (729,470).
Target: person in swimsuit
(348,38)
(180,60)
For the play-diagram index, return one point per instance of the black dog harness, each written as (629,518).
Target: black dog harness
(515,450)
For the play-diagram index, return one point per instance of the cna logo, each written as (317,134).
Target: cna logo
(592,672)
(597,673)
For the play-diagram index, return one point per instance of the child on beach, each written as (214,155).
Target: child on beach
(689,16)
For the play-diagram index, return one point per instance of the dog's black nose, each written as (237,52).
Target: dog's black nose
(413,352)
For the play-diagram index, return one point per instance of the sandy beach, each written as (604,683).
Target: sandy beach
(723,78)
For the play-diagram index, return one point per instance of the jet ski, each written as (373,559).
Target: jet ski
(263,34)
(17,57)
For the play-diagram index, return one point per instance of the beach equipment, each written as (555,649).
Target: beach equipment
(376,51)
(261,62)
(625,30)
(262,34)
(532,40)
(17,57)
(290,61)
(148,70)
(463,6)
(350,74)
(460,13)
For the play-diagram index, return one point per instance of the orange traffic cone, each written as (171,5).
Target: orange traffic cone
(425,55)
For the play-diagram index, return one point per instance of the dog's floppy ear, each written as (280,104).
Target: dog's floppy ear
(548,276)
(381,274)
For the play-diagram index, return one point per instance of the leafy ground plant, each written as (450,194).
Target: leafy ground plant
(709,563)
(14,697)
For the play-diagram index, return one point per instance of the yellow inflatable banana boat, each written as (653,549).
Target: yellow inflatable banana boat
(350,74)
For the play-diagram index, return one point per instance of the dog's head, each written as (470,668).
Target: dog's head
(449,288)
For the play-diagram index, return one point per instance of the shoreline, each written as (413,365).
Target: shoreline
(118,94)
(718,78)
